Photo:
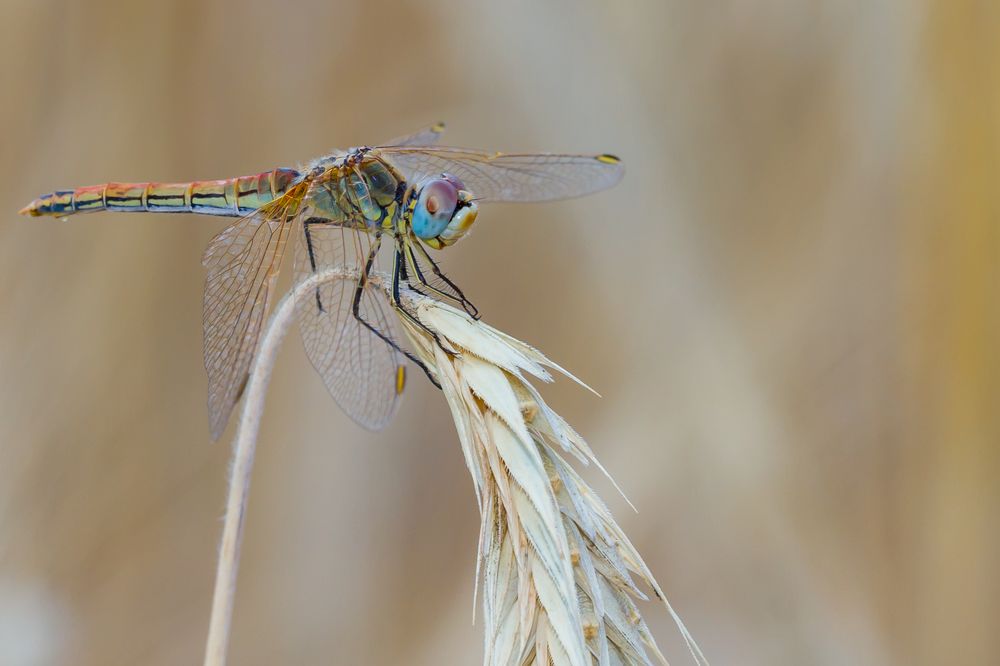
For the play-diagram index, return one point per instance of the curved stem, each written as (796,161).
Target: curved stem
(242,462)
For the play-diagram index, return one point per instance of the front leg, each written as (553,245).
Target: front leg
(356,311)
(467,305)
(399,276)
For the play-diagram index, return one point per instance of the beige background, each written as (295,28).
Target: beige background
(790,305)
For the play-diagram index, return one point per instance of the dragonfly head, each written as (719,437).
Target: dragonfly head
(442,211)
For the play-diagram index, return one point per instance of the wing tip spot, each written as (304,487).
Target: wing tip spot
(400,379)
(607,158)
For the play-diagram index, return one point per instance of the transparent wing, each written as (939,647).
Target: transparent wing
(242,263)
(428,136)
(363,373)
(511,177)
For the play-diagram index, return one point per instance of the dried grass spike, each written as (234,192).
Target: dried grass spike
(559,575)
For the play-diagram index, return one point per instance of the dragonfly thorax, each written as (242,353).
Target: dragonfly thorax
(356,188)
(360,187)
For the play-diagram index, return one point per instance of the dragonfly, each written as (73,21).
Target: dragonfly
(339,208)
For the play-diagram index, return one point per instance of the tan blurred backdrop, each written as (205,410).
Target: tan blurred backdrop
(790,305)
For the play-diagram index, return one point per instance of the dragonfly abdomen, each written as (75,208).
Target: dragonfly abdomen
(231,197)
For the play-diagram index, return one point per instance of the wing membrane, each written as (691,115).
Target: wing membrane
(428,136)
(242,262)
(360,370)
(511,176)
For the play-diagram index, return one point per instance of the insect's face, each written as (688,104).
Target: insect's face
(443,211)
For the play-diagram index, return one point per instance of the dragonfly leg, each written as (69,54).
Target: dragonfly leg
(467,305)
(356,311)
(410,260)
(312,254)
(398,276)
(412,263)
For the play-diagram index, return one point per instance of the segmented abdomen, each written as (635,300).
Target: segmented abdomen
(232,197)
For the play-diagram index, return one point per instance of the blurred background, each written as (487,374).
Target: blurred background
(790,306)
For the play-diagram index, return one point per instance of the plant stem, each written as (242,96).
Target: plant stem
(242,462)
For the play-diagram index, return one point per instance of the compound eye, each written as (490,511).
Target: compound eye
(435,207)
(440,198)
(454,180)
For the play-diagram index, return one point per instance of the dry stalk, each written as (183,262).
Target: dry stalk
(558,574)
(241,465)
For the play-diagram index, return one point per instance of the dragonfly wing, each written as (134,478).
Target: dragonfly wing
(363,373)
(428,136)
(242,262)
(511,176)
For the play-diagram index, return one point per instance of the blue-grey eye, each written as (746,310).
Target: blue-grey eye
(440,198)
(435,206)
